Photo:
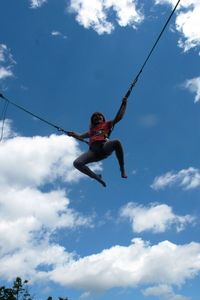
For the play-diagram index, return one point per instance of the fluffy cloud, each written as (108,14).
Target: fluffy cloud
(156,217)
(28,221)
(186,178)
(163,292)
(35,161)
(30,213)
(37,3)
(94,14)
(136,264)
(193,85)
(6,62)
(187,22)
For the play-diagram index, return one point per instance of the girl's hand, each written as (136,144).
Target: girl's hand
(124,100)
(71,133)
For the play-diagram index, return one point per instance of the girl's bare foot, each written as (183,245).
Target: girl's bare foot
(123,174)
(99,179)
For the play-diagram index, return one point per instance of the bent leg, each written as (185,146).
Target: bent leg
(86,158)
(115,145)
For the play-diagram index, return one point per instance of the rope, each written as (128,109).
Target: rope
(146,60)
(151,51)
(3,117)
(38,117)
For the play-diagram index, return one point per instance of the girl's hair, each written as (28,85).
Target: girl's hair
(92,118)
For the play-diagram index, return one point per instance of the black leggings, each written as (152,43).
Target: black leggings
(94,156)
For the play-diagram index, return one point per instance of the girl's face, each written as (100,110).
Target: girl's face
(97,118)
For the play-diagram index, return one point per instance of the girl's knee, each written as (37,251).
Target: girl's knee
(77,164)
(117,143)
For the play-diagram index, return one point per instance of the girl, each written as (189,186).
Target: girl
(100,147)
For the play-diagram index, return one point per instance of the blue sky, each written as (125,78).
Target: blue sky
(137,238)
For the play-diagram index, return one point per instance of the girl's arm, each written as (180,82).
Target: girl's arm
(77,135)
(121,111)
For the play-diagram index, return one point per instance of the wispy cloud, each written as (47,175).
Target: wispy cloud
(193,85)
(164,292)
(186,178)
(6,62)
(155,217)
(59,34)
(187,22)
(37,3)
(95,14)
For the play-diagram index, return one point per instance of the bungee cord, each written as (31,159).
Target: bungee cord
(151,51)
(132,85)
(3,117)
(148,56)
(38,117)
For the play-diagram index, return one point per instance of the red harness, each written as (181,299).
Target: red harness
(100,132)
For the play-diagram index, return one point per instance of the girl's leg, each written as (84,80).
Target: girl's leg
(85,158)
(115,145)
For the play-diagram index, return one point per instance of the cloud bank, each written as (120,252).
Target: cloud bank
(136,264)
(30,215)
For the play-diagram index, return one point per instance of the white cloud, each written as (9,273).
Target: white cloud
(35,161)
(94,14)
(156,217)
(193,85)
(131,266)
(37,3)
(6,62)
(186,178)
(29,218)
(187,22)
(30,214)
(164,292)
(33,259)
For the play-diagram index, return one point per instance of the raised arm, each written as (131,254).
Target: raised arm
(121,111)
